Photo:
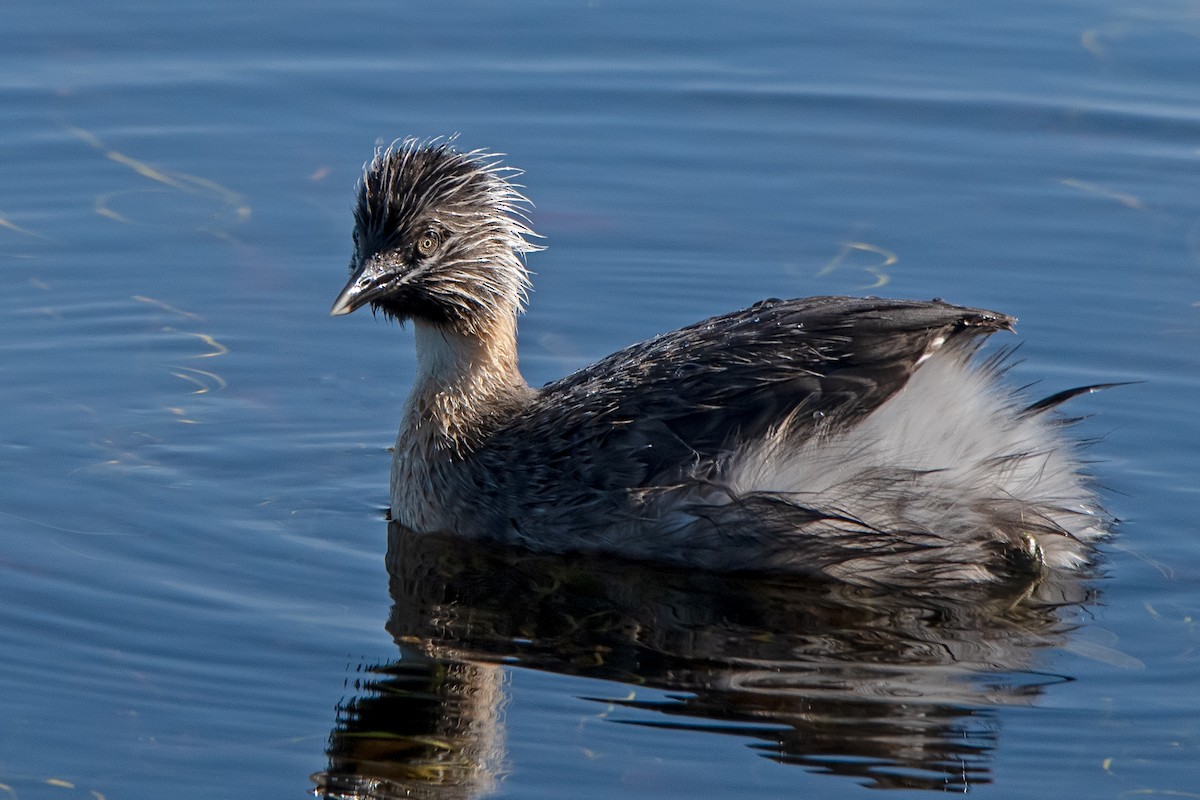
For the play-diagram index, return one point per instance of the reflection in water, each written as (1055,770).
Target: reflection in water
(422,727)
(898,692)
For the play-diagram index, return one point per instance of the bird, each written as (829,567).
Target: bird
(859,440)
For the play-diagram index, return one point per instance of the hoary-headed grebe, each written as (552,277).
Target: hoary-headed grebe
(851,438)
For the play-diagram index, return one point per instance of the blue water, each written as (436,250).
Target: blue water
(200,597)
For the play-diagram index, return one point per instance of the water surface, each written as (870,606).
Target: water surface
(201,593)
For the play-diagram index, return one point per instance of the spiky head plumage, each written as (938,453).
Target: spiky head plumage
(420,191)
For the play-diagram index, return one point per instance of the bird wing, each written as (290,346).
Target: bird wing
(691,395)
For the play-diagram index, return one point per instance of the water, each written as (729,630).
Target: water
(196,594)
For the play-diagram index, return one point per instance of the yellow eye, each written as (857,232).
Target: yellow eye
(429,242)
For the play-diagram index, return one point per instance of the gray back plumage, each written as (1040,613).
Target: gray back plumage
(698,392)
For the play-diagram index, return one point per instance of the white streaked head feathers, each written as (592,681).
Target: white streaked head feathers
(475,210)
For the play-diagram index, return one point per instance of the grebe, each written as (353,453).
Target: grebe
(851,438)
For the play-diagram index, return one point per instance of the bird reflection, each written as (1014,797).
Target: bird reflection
(896,692)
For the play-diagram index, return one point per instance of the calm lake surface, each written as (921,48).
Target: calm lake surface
(200,594)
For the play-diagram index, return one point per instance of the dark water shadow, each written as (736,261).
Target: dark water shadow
(892,691)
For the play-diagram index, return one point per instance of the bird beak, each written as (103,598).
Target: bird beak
(367,283)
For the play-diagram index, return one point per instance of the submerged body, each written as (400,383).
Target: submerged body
(850,438)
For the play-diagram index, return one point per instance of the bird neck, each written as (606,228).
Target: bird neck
(463,381)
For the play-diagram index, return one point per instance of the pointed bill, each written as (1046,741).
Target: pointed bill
(370,281)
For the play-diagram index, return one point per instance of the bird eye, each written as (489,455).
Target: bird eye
(429,242)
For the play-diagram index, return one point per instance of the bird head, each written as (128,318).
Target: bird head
(439,236)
